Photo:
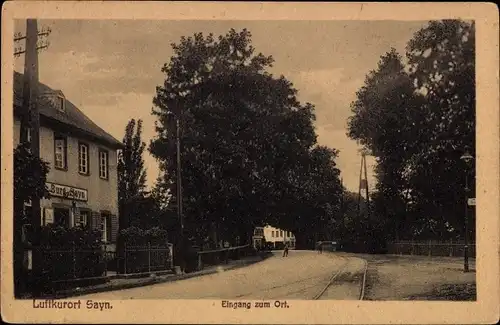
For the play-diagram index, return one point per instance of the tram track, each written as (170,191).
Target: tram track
(332,279)
(339,273)
(302,276)
(303,285)
(363,283)
(309,283)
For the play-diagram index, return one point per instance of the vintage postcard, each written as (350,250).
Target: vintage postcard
(251,163)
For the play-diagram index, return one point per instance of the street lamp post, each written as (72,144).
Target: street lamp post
(179,195)
(467,158)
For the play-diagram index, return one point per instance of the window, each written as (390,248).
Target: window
(60,103)
(103,164)
(281,233)
(60,153)
(61,217)
(84,218)
(83,159)
(272,233)
(106,227)
(103,229)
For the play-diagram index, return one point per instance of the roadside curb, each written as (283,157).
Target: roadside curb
(150,281)
(140,275)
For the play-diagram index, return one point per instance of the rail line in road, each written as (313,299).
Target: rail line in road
(339,272)
(342,268)
(309,277)
(363,284)
(305,285)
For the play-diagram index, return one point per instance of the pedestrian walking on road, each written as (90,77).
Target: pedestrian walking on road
(285,250)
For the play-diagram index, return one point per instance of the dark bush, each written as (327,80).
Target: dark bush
(134,236)
(70,253)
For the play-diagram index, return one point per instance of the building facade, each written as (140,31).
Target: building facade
(82,180)
(274,237)
(258,237)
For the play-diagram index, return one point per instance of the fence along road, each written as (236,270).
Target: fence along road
(301,275)
(451,248)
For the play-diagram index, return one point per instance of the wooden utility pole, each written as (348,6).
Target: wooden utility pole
(341,203)
(179,190)
(342,194)
(30,78)
(30,120)
(360,184)
(179,176)
(30,108)
(366,188)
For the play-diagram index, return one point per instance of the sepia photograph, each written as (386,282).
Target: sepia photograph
(251,163)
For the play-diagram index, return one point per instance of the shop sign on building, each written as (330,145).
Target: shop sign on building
(67,192)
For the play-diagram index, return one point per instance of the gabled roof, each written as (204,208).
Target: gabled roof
(71,117)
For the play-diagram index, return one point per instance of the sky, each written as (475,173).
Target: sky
(110,69)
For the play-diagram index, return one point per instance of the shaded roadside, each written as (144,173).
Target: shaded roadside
(128,283)
(453,292)
(394,277)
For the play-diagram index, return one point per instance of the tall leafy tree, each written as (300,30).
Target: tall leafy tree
(243,135)
(442,65)
(418,119)
(354,230)
(30,175)
(131,175)
(387,120)
(311,194)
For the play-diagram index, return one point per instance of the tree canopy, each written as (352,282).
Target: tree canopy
(131,176)
(248,146)
(30,175)
(418,118)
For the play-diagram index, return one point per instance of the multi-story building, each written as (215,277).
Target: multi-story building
(275,236)
(258,237)
(82,180)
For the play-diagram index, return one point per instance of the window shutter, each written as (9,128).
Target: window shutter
(114,228)
(96,220)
